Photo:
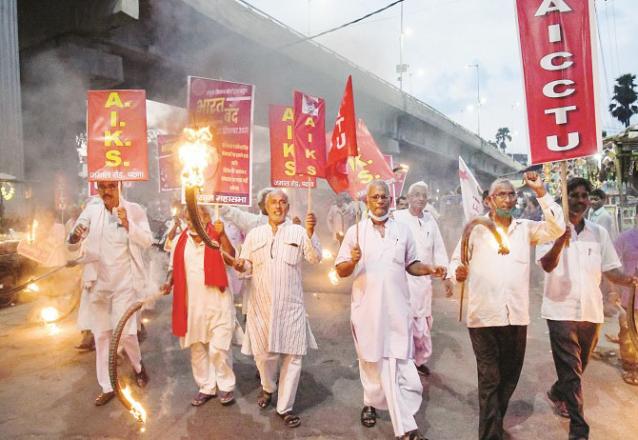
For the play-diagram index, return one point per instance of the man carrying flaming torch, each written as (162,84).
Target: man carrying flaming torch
(111,237)
(498,295)
(203,308)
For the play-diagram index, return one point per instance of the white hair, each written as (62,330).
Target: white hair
(378,183)
(274,191)
(261,195)
(499,181)
(419,184)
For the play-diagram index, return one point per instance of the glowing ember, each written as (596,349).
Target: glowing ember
(49,314)
(195,155)
(173,211)
(504,238)
(33,287)
(53,329)
(145,320)
(326,254)
(333,277)
(137,409)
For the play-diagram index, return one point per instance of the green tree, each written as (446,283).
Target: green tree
(503,135)
(622,105)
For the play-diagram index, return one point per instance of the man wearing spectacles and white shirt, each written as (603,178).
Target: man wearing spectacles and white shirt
(498,296)
(380,252)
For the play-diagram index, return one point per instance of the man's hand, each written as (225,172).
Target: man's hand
(534,182)
(240,265)
(296,220)
(219,227)
(355,254)
(166,288)
(311,222)
(439,271)
(449,288)
(77,233)
(461,273)
(567,235)
(121,215)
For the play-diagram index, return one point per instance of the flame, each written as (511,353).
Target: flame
(33,287)
(137,410)
(326,254)
(49,314)
(333,277)
(195,155)
(504,238)
(53,329)
(173,211)
(32,231)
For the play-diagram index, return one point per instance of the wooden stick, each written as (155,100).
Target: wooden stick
(357,220)
(563,190)
(309,200)
(217,217)
(461,303)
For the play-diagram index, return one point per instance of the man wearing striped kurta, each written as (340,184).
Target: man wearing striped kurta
(277,327)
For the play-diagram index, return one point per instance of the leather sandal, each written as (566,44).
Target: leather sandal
(201,398)
(264,399)
(368,416)
(226,397)
(104,398)
(291,419)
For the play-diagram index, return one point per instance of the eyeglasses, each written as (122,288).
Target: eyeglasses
(504,195)
(379,197)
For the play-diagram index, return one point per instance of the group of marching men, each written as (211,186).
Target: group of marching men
(392,257)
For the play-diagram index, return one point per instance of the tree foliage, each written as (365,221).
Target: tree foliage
(622,105)
(503,136)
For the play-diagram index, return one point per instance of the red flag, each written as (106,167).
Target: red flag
(310,137)
(343,143)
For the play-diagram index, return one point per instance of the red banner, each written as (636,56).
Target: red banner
(168,163)
(343,143)
(282,150)
(116,130)
(227,109)
(559,67)
(369,165)
(309,134)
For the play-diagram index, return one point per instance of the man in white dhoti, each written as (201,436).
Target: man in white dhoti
(498,296)
(111,237)
(379,258)
(204,310)
(430,250)
(277,328)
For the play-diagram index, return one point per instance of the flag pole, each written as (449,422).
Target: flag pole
(309,201)
(563,191)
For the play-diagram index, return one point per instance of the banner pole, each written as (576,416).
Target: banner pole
(309,200)
(357,220)
(217,217)
(563,192)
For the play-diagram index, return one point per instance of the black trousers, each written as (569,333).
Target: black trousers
(499,352)
(572,342)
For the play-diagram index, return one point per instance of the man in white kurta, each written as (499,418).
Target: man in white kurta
(277,328)
(380,314)
(210,318)
(114,274)
(430,250)
(498,296)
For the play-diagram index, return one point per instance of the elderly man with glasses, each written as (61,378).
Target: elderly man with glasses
(379,253)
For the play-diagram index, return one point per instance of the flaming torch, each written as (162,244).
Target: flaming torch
(501,241)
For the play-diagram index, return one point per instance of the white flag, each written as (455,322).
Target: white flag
(471,192)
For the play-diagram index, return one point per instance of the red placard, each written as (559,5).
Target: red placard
(368,165)
(168,163)
(116,131)
(282,150)
(227,109)
(559,67)
(309,134)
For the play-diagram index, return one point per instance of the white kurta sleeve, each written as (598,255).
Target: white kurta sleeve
(553,226)
(245,221)
(139,232)
(411,254)
(245,253)
(440,253)
(455,261)
(311,248)
(608,253)
(349,241)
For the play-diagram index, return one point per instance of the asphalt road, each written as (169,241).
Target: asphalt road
(47,388)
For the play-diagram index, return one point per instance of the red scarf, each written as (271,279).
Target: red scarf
(214,276)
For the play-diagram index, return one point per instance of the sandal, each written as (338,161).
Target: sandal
(264,399)
(291,419)
(201,398)
(226,397)
(104,398)
(412,435)
(631,377)
(368,416)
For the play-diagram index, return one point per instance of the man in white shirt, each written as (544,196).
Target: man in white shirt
(573,302)
(203,309)
(379,257)
(598,213)
(498,295)
(430,250)
(111,237)
(277,327)
(340,217)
